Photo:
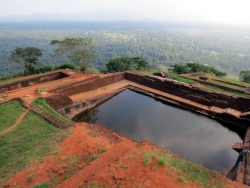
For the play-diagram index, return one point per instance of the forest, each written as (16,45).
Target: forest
(160,44)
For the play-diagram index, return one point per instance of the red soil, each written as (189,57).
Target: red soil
(120,166)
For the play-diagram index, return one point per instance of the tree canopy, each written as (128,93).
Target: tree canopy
(79,50)
(245,76)
(127,63)
(26,56)
(196,67)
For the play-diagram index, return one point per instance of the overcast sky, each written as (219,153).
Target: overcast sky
(224,11)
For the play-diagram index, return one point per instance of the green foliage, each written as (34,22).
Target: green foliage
(44,184)
(159,43)
(27,56)
(245,76)
(162,161)
(9,113)
(93,157)
(45,68)
(66,65)
(41,103)
(79,50)
(42,69)
(11,76)
(104,150)
(31,177)
(180,69)
(126,63)
(182,180)
(196,67)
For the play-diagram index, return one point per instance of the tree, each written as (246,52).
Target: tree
(245,76)
(79,50)
(126,63)
(27,56)
(116,65)
(180,69)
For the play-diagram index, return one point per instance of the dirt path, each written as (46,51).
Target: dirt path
(14,125)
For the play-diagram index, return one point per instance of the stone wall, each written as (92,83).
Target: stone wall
(199,95)
(32,81)
(74,110)
(85,86)
(215,85)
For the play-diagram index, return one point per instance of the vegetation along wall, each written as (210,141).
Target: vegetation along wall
(199,95)
(32,81)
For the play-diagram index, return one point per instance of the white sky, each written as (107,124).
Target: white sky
(225,11)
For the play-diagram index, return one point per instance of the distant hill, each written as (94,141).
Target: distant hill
(101,15)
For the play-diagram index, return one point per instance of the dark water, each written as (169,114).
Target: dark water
(189,135)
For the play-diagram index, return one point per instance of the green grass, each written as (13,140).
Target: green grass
(228,85)
(44,184)
(104,150)
(180,79)
(9,81)
(225,79)
(213,88)
(41,103)
(181,180)
(27,143)
(9,113)
(187,171)
(95,186)
(93,157)
(31,177)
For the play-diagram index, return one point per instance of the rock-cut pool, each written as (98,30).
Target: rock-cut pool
(190,135)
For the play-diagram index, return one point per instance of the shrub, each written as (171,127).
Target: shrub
(66,65)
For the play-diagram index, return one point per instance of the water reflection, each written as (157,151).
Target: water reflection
(189,135)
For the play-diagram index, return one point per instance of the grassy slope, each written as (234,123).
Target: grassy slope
(188,81)
(180,79)
(187,171)
(227,92)
(236,81)
(228,85)
(21,146)
(41,103)
(9,113)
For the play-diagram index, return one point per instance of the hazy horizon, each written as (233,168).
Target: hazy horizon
(233,12)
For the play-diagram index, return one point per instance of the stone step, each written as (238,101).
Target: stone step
(87,174)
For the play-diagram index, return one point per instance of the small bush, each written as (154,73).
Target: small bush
(12,76)
(30,178)
(162,161)
(147,158)
(66,65)
(41,185)
(93,157)
(181,180)
(104,150)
